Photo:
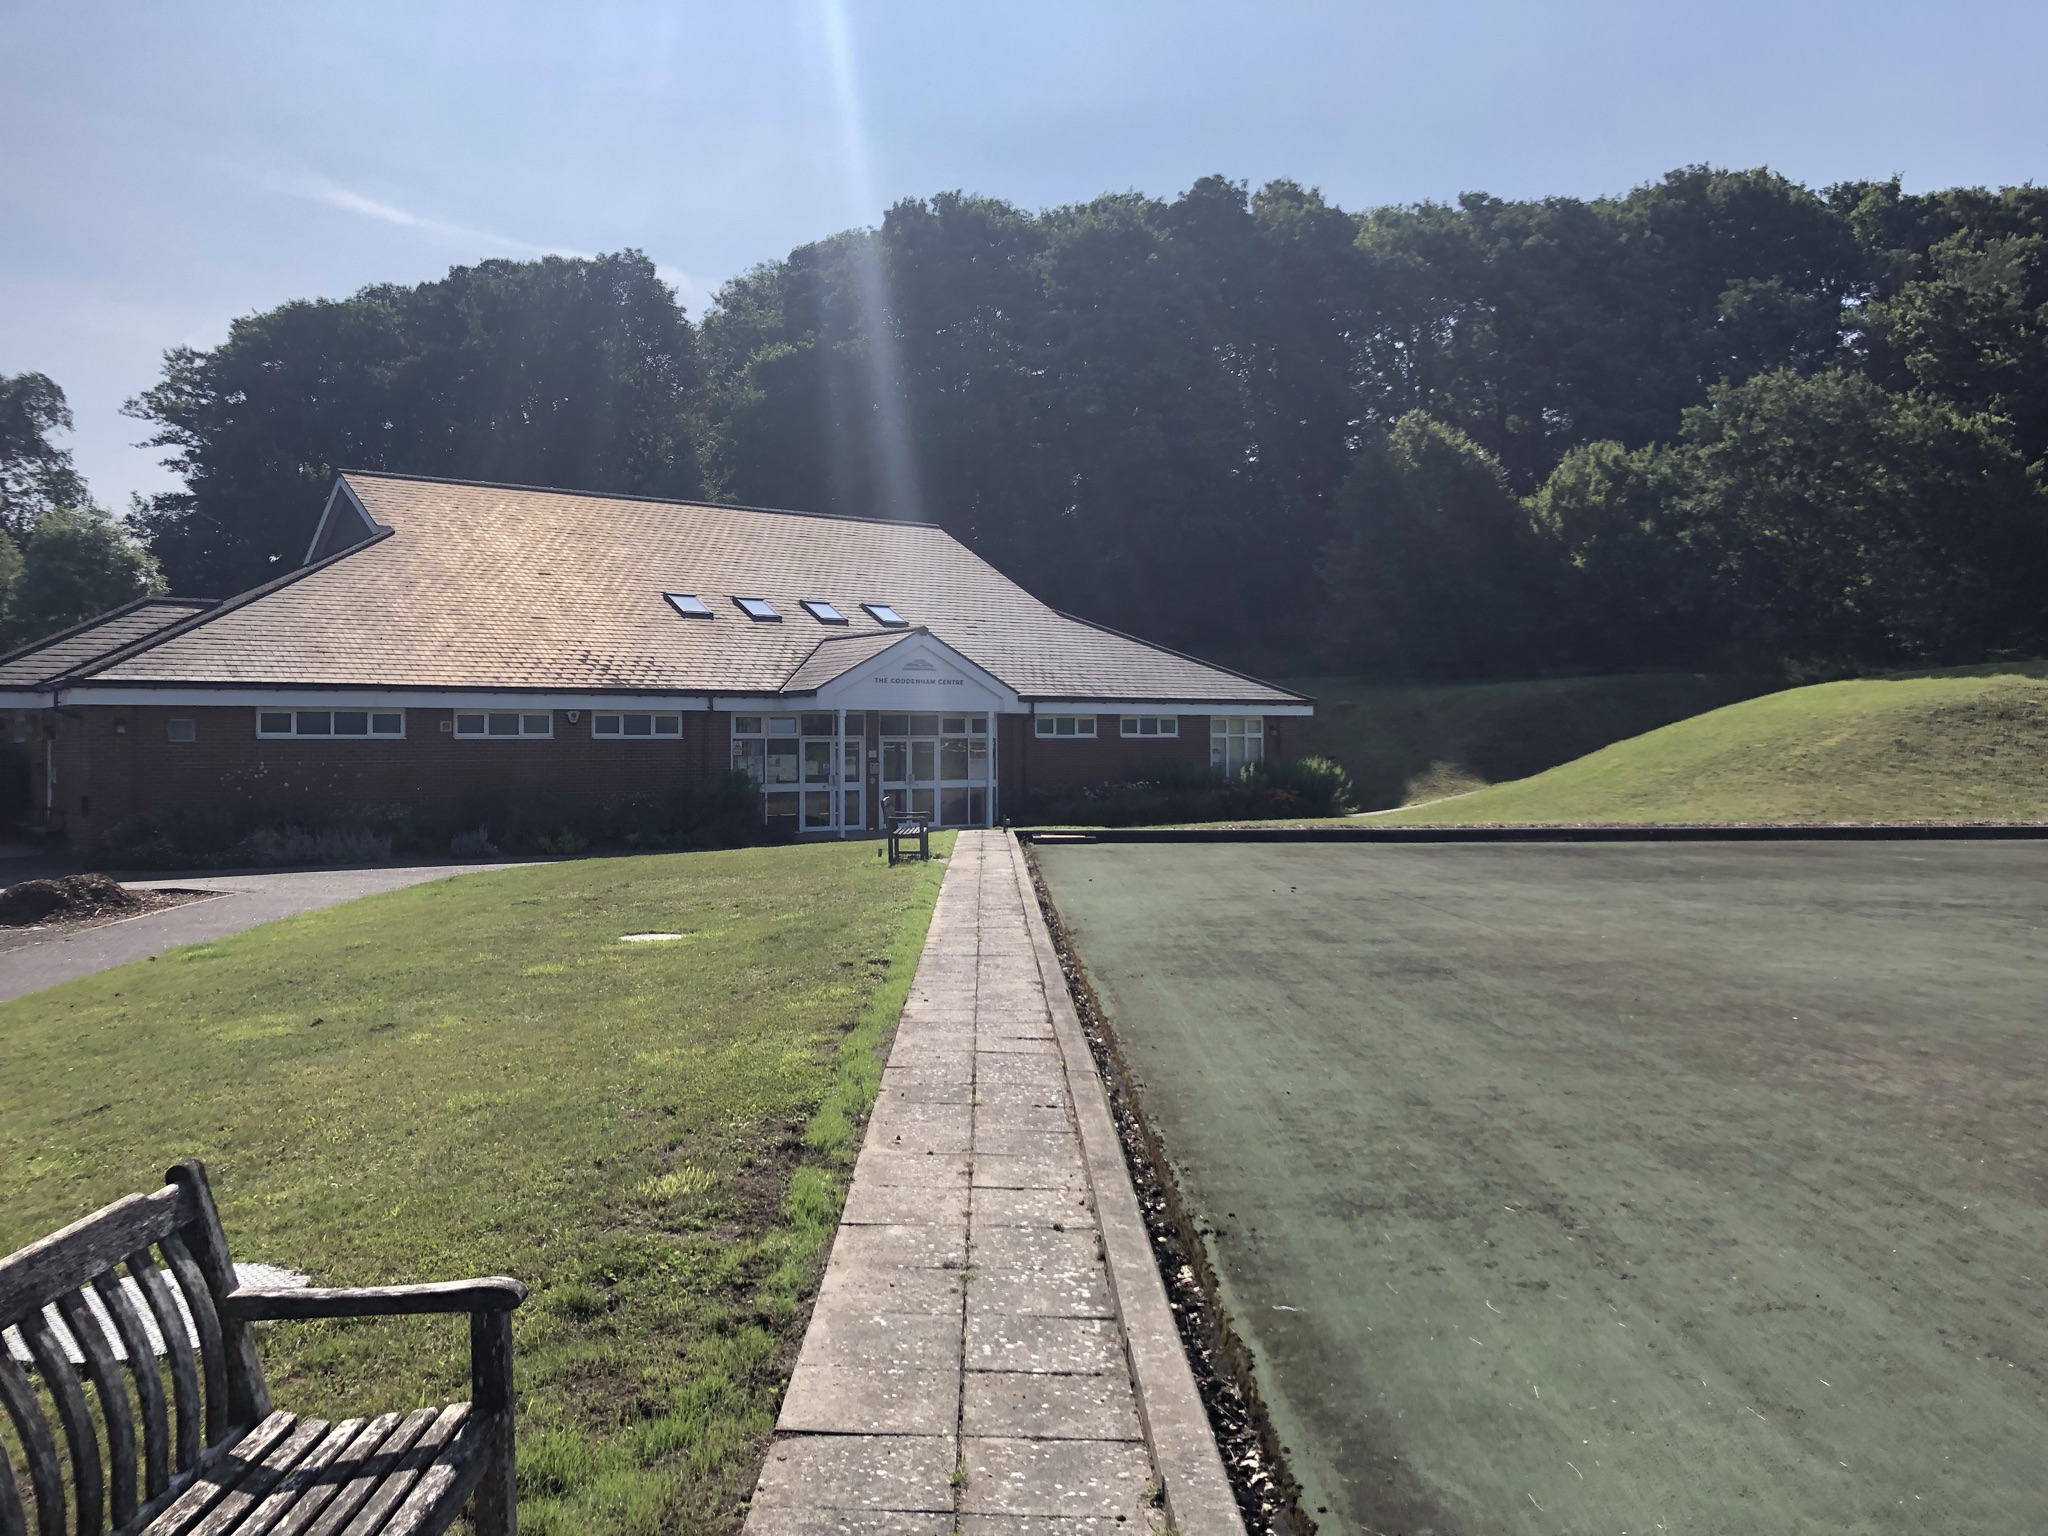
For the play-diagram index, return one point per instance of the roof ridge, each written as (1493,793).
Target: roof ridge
(666,501)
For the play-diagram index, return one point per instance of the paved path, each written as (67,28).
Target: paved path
(970,1363)
(33,959)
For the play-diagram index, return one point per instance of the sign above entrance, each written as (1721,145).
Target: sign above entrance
(921,673)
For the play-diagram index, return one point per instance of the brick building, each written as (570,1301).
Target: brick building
(445,635)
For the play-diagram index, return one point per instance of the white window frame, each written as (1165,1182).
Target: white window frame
(1162,725)
(1250,735)
(295,734)
(656,720)
(524,717)
(1079,727)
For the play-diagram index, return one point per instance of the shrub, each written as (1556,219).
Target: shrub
(724,813)
(1184,792)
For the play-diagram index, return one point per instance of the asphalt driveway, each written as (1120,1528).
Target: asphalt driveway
(31,959)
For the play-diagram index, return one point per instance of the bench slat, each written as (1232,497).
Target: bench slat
(13,1518)
(105,1375)
(448,1482)
(371,1470)
(87,1479)
(36,1276)
(309,1501)
(46,1478)
(220,1469)
(312,1474)
(170,1326)
(149,1384)
(200,1302)
(234,1505)
(391,1492)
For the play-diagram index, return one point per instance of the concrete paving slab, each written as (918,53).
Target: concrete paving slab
(870,1289)
(1051,1525)
(883,1472)
(1005,1341)
(997,1207)
(895,1204)
(1042,1170)
(882,1342)
(911,1245)
(1043,1405)
(784,1521)
(1057,1477)
(892,1165)
(859,1400)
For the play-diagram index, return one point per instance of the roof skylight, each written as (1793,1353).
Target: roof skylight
(688,604)
(823,611)
(886,616)
(759,609)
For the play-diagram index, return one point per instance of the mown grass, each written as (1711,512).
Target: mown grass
(1967,744)
(1402,744)
(475,1077)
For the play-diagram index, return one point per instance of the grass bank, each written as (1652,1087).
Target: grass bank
(1401,743)
(475,1076)
(1968,744)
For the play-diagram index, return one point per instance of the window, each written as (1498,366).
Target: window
(503,723)
(643,726)
(183,730)
(1066,725)
(1151,725)
(688,604)
(320,722)
(886,616)
(823,611)
(1235,740)
(759,609)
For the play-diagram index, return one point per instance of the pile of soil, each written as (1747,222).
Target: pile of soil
(71,899)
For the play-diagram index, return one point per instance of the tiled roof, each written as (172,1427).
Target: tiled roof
(78,647)
(838,653)
(482,586)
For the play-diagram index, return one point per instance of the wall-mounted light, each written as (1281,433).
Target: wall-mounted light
(575,715)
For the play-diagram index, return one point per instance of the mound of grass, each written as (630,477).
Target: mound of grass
(476,1077)
(1967,744)
(1402,744)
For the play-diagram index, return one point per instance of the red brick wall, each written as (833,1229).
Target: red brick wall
(1074,762)
(115,762)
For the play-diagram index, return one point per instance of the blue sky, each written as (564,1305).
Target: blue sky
(166,167)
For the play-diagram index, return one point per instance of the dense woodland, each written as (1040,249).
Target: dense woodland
(1722,421)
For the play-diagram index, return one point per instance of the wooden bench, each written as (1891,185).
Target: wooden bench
(231,1466)
(903,834)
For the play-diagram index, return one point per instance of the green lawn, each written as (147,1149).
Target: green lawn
(1968,744)
(1413,743)
(474,1077)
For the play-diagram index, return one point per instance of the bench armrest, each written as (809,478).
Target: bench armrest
(496,1293)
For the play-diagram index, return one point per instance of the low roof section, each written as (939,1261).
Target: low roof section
(42,663)
(418,583)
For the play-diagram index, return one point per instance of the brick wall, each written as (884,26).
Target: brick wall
(114,762)
(1074,762)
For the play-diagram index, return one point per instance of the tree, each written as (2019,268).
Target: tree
(576,373)
(1433,573)
(1820,522)
(79,563)
(35,475)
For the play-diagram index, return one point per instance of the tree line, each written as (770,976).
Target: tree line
(1724,420)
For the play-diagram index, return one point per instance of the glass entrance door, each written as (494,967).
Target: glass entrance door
(935,768)
(807,766)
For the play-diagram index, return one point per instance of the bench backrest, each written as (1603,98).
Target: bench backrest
(217,1389)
